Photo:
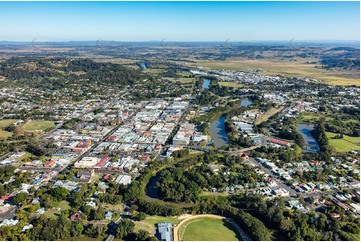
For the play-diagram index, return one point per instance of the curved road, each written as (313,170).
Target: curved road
(231,221)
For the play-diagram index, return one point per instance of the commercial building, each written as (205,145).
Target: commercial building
(165,231)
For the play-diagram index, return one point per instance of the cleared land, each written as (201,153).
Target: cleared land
(265,116)
(230,84)
(140,225)
(37,125)
(5,134)
(287,68)
(6,122)
(207,229)
(346,144)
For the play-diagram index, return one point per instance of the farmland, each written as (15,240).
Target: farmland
(287,68)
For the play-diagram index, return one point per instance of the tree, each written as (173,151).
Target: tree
(142,235)
(322,221)
(140,216)
(125,227)
(99,214)
(60,193)
(20,197)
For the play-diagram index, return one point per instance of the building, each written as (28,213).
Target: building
(87,162)
(280,192)
(5,208)
(74,217)
(108,215)
(9,222)
(102,162)
(50,163)
(355,208)
(123,179)
(27,227)
(280,142)
(40,211)
(165,231)
(86,176)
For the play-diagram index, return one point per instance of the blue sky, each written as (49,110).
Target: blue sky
(179,21)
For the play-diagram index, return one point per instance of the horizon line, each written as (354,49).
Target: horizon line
(177,41)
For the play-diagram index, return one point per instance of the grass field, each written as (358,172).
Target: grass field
(158,219)
(6,122)
(207,229)
(63,205)
(153,71)
(5,134)
(287,68)
(346,144)
(141,225)
(86,238)
(315,116)
(230,84)
(37,125)
(183,80)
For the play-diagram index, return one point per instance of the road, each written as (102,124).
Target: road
(231,152)
(8,214)
(86,153)
(278,181)
(123,214)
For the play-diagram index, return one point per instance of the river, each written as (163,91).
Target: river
(311,145)
(206,83)
(245,102)
(218,131)
(143,65)
(218,127)
(152,189)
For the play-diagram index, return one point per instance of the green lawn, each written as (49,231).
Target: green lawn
(63,205)
(141,225)
(37,125)
(346,144)
(314,116)
(6,122)
(207,229)
(5,134)
(158,219)
(86,238)
(230,84)
(183,80)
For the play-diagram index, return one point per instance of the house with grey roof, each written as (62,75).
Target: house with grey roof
(165,231)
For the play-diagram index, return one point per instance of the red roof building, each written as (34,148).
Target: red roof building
(102,162)
(74,217)
(280,142)
(50,163)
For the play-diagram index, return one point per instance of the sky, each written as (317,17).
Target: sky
(179,21)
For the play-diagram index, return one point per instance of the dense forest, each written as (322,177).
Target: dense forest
(61,72)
